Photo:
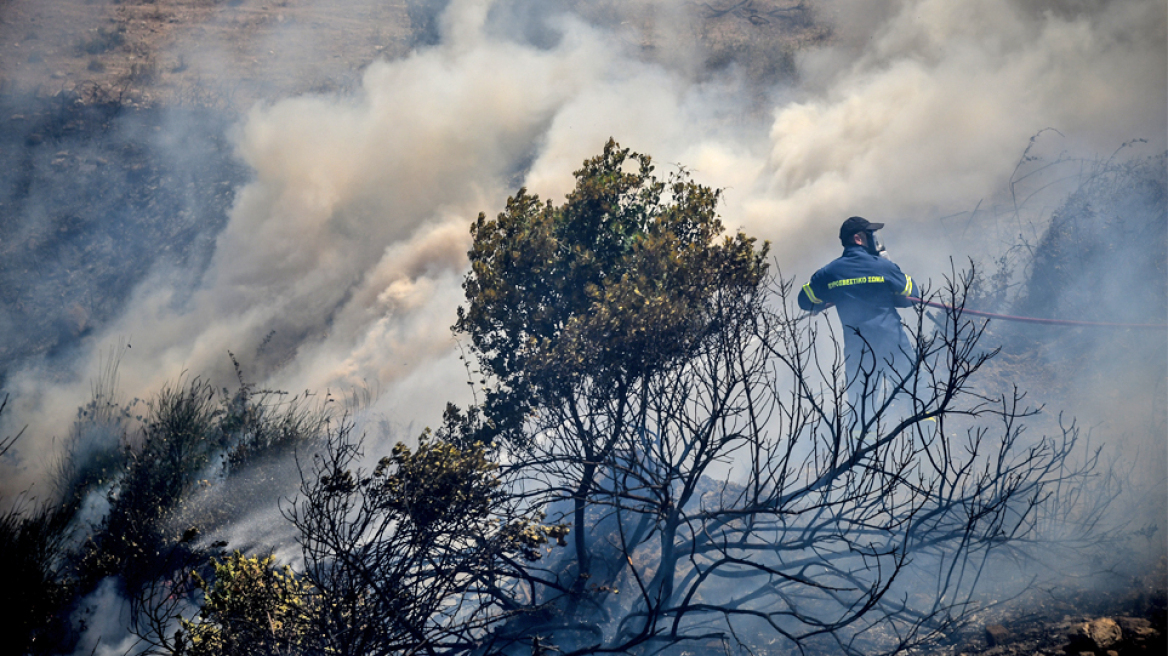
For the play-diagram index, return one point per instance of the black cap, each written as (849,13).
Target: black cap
(857,224)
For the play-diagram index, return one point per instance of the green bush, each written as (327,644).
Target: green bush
(249,607)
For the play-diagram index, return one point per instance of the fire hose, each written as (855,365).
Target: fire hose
(1055,322)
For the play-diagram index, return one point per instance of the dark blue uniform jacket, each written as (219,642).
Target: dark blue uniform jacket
(866,290)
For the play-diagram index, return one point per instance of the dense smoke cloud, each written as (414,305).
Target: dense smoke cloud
(341,263)
(930,113)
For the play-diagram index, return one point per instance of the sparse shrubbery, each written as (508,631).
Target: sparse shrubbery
(162,461)
(1108,237)
(407,557)
(187,437)
(127,490)
(647,386)
(1104,256)
(395,559)
(249,607)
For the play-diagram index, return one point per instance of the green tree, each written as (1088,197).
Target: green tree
(617,282)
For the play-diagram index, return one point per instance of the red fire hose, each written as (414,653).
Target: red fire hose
(1056,322)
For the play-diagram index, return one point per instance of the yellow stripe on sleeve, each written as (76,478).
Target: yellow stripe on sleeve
(907,285)
(810,294)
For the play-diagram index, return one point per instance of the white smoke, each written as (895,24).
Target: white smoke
(100,620)
(341,264)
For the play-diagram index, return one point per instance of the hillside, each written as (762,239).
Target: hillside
(89,201)
(242,197)
(233,52)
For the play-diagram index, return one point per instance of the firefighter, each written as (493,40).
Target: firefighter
(866,289)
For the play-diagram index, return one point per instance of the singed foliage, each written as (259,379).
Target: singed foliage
(663,461)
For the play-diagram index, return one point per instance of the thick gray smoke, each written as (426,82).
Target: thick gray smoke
(341,261)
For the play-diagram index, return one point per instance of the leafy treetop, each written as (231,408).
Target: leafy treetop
(614,284)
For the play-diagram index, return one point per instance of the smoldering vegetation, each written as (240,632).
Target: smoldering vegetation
(469,542)
(281,236)
(1101,258)
(140,484)
(1112,228)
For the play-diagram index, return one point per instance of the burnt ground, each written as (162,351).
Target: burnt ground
(115,159)
(1121,620)
(94,195)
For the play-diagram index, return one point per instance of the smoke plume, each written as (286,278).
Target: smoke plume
(340,263)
